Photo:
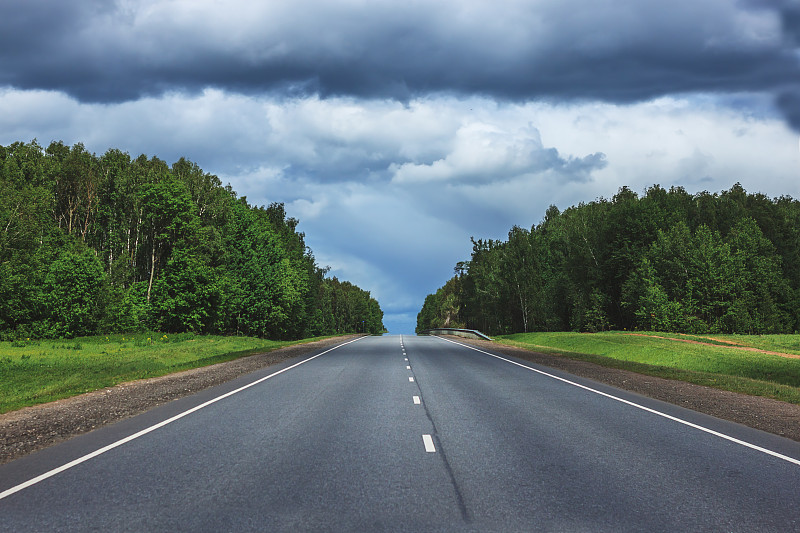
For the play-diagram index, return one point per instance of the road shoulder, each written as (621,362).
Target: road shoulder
(33,428)
(765,414)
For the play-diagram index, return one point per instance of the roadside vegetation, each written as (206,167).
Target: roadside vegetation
(38,371)
(668,260)
(722,362)
(93,245)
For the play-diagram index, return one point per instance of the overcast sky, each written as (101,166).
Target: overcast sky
(394,130)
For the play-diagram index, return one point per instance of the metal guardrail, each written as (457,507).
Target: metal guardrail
(468,333)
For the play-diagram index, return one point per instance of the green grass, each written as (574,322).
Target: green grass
(33,372)
(716,366)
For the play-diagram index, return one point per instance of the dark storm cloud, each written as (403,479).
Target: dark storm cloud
(619,51)
(789,11)
(789,104)
(581,168)
(788,99)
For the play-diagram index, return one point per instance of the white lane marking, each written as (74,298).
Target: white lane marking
(408,367)
(416,400)
(405,358)
(67,466)
(429,447)
(642,407)
(410,378)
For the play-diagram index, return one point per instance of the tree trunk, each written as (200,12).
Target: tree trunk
(152,270)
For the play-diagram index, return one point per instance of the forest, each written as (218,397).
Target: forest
(92,245)
(668,260)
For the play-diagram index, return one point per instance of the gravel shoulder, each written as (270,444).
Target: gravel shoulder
(765,414)
(33,428)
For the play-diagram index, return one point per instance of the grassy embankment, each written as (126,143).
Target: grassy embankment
(725,365)
(38,371)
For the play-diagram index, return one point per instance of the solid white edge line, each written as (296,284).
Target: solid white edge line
(638,406)
(67,466)
(428,441)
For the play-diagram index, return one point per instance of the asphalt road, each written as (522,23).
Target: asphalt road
(339,443)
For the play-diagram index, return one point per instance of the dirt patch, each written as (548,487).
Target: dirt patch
(33,428)
(773,416)
(724,341)
(734,345)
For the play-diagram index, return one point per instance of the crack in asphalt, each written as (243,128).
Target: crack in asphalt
(462,506)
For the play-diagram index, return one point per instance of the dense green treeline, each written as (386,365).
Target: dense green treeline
(670,261)
(113,244)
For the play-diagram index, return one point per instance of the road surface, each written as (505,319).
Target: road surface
(403,433)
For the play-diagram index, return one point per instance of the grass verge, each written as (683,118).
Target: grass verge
(33,372)
(721,365)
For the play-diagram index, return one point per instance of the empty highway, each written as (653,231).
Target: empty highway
(404,433)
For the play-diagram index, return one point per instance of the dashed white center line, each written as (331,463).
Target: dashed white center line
(410,378)
(408,367)
(429,447)
(416,400)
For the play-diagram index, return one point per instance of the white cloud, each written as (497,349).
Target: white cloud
(675,141)
(482,152)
